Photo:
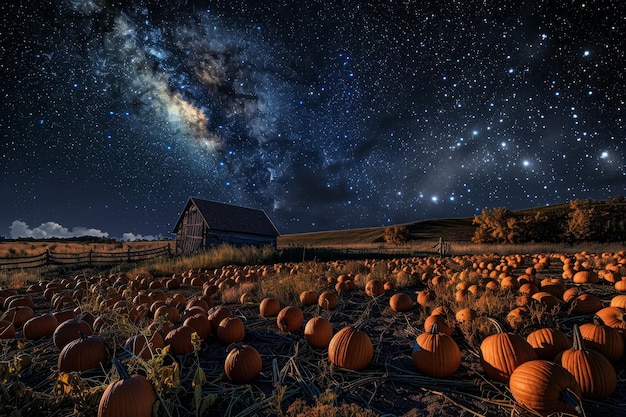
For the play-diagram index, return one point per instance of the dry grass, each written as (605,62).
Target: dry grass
(12,249)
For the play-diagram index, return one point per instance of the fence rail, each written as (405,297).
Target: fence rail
(49,258)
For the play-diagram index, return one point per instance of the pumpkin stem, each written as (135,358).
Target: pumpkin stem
(434,329)
(499,327)
(597,320)
(121,369)
(578,341)
(570,398)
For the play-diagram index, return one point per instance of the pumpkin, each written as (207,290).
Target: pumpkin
(441,321)
(593,372)
(308,298)
(603,339)
(269,307)
(517,316)
(502,352)
(619,301)
(436,354)
(465,315)
(243,364)
(7,329)
(18,300)
(400,302)
(318,331)
(586,304)
(328,300)
(216,315)
(545,388)
(246,298)
(548,342)
(179,340)
(425,296)
(131,395)
(586,277)
(350,348)
(614,318)
(82,354)
(18,315)
(374,288)
(290,319)
(171,312)
(230,330)
(40,326)
(200,323)
(143,346)
(547,299)
(70,330)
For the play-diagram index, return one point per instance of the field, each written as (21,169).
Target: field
(22,248)
(523,291)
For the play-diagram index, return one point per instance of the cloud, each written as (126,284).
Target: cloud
(131,237)
(51,230)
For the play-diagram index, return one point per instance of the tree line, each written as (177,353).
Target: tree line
(578,221)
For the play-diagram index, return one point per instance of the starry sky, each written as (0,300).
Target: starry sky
(325,114)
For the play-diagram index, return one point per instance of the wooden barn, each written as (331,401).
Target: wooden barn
(204,223)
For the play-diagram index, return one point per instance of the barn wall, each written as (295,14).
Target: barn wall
(193,234)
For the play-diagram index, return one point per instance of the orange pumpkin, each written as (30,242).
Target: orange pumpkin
(70,330)
(131,395)
(230,330)
(308,298)
(350,348)
(374,288)
(593,372)
(82,354)
(436,354)
(200,323)
(603,339)
(144,346)
(502,352)
(40,326)
(243,364)
(269,307)
(179,340)
(318,331)
(328,300)
(216,315)
(7,330)
(548,342)
(400,302)
(290,319)
(18,315)
(545,388)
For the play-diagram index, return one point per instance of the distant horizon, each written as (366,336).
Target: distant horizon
(50,228)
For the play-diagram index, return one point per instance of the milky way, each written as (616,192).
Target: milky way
(327,115)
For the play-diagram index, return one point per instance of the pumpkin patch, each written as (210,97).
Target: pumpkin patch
(484,326)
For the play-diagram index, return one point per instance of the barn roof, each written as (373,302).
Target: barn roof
(230,218)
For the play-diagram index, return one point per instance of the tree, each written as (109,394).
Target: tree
(496,226)
(396,234)
(581,220)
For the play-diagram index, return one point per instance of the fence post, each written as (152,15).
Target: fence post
(47,257)
(169,250)
(128,255)
(90,253)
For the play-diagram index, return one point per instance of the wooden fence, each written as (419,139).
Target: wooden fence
(49,258)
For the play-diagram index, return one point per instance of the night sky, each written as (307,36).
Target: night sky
(325,114)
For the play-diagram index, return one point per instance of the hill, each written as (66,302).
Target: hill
(459,229)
